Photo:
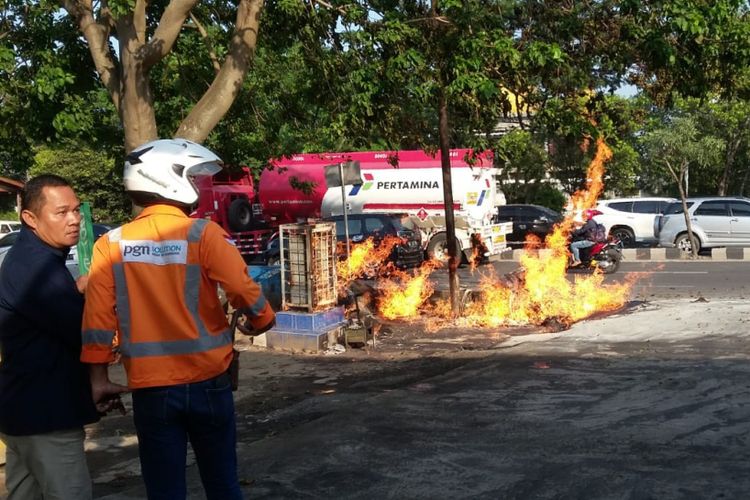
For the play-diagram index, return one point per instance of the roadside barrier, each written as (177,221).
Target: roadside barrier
(656,254)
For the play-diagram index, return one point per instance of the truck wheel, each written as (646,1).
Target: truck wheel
(438,248)
(240,215)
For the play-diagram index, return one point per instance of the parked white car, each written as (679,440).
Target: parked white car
(716,222)
(7,226)
(631,220)
(6,241)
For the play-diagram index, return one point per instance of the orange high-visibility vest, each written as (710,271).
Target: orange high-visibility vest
(152,294)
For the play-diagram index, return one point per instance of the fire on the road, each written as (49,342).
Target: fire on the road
(540,293)
(365,259)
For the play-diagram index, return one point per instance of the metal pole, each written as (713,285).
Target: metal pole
(343,206)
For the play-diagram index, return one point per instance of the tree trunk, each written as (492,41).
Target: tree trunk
(731,152)
(126,75)
(137,101)
(450,225)
(744,181)
(683,197)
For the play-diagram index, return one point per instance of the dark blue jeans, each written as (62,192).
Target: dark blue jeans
(166,417)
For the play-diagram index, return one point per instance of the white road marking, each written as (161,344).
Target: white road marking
(665,286)
(666,272)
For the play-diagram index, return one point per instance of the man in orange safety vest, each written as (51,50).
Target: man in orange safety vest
(152,298)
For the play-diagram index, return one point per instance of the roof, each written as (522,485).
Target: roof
(716,198)
(8,185)
(638,198)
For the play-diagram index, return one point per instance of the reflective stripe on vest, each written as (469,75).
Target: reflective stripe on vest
(98,337)
(103,337)
(204,342)
(257,308)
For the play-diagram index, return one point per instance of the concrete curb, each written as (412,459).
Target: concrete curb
(654,254)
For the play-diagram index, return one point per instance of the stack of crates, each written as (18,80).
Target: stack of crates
(308,266)
(309,315)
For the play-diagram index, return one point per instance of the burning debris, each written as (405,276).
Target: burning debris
(366,260)
(404,294)
(539,294)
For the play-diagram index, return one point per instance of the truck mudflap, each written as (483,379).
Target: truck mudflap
(252,243)
(495,236)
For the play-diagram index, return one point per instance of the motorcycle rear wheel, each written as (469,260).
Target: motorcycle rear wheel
(609,261)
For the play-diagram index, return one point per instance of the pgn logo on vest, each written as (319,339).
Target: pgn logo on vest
(154,252)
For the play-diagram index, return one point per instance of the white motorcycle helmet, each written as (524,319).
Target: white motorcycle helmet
(163,170)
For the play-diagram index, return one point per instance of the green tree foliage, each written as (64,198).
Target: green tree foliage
(728,120)
(667,48)
(94,178)
(48,88)
(365,74)
(688,48)
(523,163)
(549,196)
(676,147)
(720,122)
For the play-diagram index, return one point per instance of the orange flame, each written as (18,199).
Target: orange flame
(586,198)
(542,293)
(365,260)
(403,295)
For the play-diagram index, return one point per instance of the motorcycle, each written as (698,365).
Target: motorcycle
(604,255)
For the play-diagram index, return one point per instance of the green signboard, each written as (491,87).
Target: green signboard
(86,241)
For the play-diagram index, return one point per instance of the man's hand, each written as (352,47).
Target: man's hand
(81,283)
(106,397)
(110,403)
(106,394)
(104,391)
(247,327)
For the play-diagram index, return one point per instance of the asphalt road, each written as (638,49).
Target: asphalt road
(650,402)
(709,279)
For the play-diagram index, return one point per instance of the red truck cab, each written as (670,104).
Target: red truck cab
(228,198)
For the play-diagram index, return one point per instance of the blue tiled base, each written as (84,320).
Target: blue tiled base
(297,341)
(309,322)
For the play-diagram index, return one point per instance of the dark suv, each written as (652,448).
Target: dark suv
(409,253)
(526,219)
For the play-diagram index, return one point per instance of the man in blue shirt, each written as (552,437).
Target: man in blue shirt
(45,394)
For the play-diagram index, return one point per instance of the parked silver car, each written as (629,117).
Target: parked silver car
(631,220)
(716,222)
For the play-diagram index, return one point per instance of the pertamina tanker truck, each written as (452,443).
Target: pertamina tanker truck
(408,182)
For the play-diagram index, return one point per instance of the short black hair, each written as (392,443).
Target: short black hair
(32,196)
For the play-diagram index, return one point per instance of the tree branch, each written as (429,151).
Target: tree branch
(221,94)
(105,17)
(97,37)
(327,5)
(166,33)
(204,35)
(139,21)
